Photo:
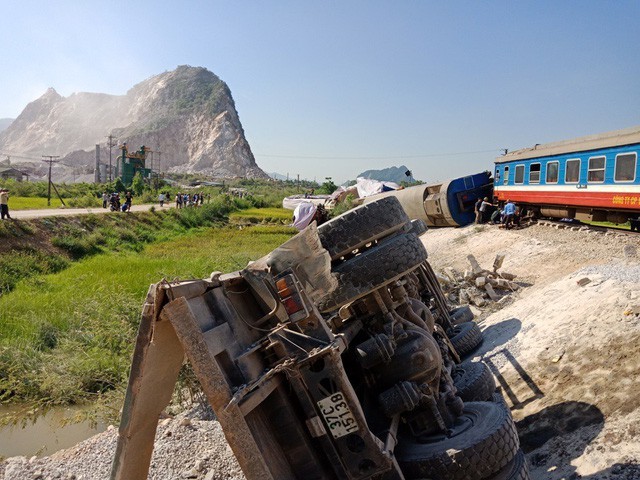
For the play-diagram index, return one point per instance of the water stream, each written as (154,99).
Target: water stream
(46,434)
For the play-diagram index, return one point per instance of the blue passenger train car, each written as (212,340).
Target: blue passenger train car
(589,178)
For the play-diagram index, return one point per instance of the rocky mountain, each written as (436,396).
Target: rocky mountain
(187,117)
(391,174)
(4,123)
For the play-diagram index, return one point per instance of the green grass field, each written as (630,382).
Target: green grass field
(31,203)
(68,336)
(623,226)
(260,215)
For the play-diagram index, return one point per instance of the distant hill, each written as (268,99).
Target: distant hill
(277,176)
(391,174)
(187,114)
(5,122)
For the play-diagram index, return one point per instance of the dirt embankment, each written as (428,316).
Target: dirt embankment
(566,355)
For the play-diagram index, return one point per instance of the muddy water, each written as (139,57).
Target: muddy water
(44,436)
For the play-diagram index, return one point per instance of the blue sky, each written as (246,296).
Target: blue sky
(333,88)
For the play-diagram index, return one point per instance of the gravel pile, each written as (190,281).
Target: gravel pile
(184,448)
(630,273)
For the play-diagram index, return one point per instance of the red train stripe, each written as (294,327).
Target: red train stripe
(609,200)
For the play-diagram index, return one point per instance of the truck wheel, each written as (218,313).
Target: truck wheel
(461,314)
(483,441)
(474,381)
(417,227)
(465,337)
(386,262)
(362,225)
(498,397)
(516,469)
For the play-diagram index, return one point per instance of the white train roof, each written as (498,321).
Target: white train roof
(591,142)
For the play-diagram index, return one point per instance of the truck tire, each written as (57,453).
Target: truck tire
(474,382)
(516,469)
(483,441)
(362,225)
(465,337)
(417,227)
(386,262)
(461,314)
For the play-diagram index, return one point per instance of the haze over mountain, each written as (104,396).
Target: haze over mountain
(4,123)
(187,114)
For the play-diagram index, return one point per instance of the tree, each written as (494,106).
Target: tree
(137,184)
(328,187)
(118,186)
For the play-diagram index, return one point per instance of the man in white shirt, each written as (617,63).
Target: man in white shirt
(4,204)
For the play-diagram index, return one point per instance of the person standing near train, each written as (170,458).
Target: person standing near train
(477,210)
(509,212)
(483,209)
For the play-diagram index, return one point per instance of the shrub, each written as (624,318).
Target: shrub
(76,247)
(47,337)
(15,266)
(83,202)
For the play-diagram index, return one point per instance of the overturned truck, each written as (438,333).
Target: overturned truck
(334,357)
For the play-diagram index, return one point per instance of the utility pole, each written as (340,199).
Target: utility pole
(159,169)
(50,159)
(110,144)
(151,174)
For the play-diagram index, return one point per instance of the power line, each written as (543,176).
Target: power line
(18,155)
(376,157)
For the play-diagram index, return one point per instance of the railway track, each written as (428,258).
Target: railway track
(584,227)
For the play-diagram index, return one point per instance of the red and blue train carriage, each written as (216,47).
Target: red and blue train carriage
(594,178)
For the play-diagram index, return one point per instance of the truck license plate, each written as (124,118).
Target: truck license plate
(337,415)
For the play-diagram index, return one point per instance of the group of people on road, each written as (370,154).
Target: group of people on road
(188,200)
(4,204)
(506,214)
(114,203)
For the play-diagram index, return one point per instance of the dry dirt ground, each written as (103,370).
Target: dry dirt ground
(567,357)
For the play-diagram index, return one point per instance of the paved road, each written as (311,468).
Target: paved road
(56,212)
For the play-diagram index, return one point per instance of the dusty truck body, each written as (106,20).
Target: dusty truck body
(331,358)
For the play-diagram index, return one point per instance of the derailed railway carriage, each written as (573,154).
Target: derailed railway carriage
(593,178)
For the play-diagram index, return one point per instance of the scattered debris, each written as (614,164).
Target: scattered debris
(632,310)
(630,251)
(478,286)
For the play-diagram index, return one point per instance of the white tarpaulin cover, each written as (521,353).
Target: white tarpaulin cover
(303,215)
(293,201)
(367,187)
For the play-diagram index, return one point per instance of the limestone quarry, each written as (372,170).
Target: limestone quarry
(187,114)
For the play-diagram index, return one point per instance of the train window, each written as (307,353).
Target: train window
(519,177)
(625,170)
(534,173)
(552,172)
(505,180)
(596,169)
(572,172)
